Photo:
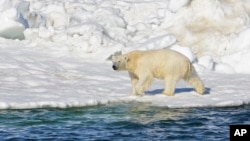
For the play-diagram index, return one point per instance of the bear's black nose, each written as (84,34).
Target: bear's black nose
(114,67)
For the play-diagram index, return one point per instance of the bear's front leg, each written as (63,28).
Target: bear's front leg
(140,85)
(134,80)
(170,84)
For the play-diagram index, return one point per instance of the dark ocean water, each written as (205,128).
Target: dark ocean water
(122,122)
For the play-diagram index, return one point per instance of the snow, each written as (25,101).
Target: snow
(53,52)
(9,28)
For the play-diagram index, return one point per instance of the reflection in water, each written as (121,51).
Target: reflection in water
(144,114)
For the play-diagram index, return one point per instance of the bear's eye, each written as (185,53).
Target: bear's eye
(119,61)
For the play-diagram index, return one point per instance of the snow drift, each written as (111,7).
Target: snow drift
(209,28)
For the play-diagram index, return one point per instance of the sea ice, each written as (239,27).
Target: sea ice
(53,52)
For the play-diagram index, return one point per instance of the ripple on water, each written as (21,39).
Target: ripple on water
(126,122)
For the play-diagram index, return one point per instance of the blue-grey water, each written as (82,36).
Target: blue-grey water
(121,122)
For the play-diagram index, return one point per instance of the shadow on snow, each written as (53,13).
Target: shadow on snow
(177,91)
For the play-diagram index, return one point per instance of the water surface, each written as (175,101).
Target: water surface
(121,122)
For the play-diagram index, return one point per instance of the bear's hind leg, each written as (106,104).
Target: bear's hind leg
(196,82)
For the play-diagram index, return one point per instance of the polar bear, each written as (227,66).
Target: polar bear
(165,64)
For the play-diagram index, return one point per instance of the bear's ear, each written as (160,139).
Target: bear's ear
(113,57)
(126,58)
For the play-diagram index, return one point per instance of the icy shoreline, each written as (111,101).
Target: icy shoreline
(32,77)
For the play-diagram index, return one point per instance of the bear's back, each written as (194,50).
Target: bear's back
(166,54)
(158,61)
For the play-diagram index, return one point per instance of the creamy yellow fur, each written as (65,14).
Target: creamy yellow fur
(165,64)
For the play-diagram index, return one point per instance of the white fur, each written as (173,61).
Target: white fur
(165,64)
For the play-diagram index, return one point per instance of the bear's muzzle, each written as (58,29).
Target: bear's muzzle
(114,67)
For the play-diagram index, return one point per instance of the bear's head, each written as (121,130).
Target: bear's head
(119,62)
